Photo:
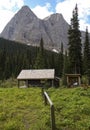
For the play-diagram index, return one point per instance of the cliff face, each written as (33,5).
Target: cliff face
(56,28)
(25,27)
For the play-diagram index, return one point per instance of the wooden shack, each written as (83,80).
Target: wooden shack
(73,80)
(36,76)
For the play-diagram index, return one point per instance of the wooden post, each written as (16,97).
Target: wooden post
(46,97)
(52,83)
(67,81)
(26,82)
(18,83)
(52,118)
(79,80)
(42,91)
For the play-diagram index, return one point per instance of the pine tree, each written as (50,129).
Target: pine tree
(60,61)
(66,63)
(74,45)
(7,70)
(40,61)
(86,56)
(65,68)
(1,65)
(89,65)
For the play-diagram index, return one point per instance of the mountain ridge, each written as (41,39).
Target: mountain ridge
(26,27)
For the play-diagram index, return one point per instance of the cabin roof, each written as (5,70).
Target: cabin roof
(36,74)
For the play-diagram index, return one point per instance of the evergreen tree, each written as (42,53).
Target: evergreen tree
(52,60)
(74,45)
(66,63)
(1,65)
(7,71)
(65,68)
(14,57)
(40,61)
(89,65)
(86,56)
(60,61)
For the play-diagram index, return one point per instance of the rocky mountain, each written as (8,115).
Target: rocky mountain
(26,27)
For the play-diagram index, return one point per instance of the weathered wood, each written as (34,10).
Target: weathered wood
(26,83)
(73,78)
(18,83)
(52,118)
(47,98)
(42,91)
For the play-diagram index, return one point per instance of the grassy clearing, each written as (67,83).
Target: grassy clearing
(23,109)
(72,107)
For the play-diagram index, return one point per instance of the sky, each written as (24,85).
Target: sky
(44,8)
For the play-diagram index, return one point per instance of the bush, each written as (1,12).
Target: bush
(84,79)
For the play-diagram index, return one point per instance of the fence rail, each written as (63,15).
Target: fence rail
(52,111)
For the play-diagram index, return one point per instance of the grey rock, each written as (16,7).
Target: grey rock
(26,27)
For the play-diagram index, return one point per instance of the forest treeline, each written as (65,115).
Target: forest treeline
(15,56)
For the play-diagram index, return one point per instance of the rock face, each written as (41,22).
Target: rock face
(22,27)
(25,27)
(56,28)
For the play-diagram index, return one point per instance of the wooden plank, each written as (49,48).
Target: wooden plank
(47,98)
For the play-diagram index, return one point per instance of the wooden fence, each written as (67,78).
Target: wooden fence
(52,111)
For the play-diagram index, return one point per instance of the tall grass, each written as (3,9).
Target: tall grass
(23,108)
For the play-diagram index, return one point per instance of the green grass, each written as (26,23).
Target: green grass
(72,107)
(23,109)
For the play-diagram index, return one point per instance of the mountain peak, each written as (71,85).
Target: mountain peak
(25,10)
(25,7)
(55,16)
(27,28)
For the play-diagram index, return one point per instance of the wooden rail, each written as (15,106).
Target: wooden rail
(52,113)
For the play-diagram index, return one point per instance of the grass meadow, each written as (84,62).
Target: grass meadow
(24,109)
